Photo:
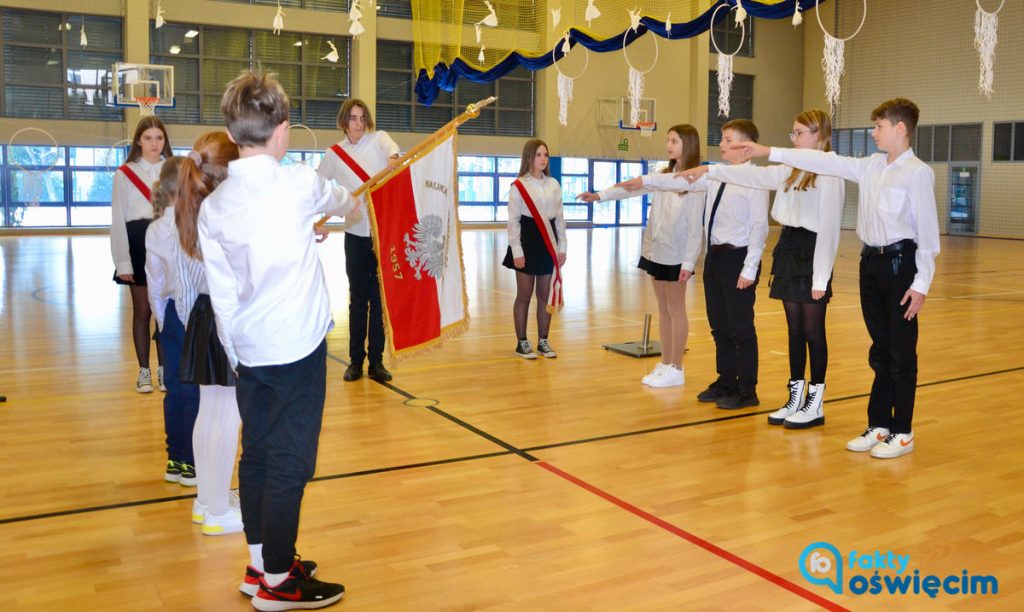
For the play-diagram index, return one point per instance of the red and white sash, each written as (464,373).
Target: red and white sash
(352,164)
(555,302)
(138,182)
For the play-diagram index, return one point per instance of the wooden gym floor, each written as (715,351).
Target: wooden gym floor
(478,480)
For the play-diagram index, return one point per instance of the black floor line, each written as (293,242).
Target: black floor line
(510,450)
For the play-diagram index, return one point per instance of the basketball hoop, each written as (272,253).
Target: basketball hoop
(146,105)
(646,128)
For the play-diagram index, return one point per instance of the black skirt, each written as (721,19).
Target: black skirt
(136,251)
(538,260)
(659,271)
(203,360)
(793,267)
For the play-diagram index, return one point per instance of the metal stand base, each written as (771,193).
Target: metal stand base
(635,349)
(643,348)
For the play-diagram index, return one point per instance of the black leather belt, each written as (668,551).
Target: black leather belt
(724,247)
(889,249)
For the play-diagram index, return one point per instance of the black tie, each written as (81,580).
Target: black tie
(714,209)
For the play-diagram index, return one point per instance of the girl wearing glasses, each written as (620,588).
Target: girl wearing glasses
(810,208)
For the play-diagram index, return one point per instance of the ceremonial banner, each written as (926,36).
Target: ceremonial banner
(414,215)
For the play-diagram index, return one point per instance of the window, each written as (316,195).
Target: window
(575,180)
(315,5)
(741,103)
(206,59)
(580,174)
(394,8)
(49,74)
(484,184)
(727,36)
(1008,141)
(397,109)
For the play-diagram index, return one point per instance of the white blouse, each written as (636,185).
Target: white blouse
(673,234)
(818,209)
(128,204)
(547,196)
(371,153)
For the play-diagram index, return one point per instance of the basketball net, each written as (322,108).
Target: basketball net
(146,105)
(32,183)
(646,128)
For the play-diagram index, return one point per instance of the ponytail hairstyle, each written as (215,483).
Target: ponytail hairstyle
(691,148)
(165,189)
(152,121)
(819,123)
(205,167)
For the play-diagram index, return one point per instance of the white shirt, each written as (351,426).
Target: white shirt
(818,209)
(896,201)
(191,281)
(161,273)
(546,194)
(673,234)
(128,204)
(265,279)
(372,153)
(741,219)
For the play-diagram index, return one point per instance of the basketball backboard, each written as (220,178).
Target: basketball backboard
(143,85)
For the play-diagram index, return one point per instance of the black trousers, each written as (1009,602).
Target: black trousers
(365,314)
(884,279)
(731,315)
(282,407)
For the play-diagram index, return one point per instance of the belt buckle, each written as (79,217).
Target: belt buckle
(878,250)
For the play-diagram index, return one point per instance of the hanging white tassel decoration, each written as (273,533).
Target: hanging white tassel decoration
(83,39)
(798,18)
(724,83)
(159,21)
(278,20)
(591,13)
(564,98)
(832,63)
(333,55)
(985,39)
(491,20)
(741,13)
(556,16)
(668,25)
(355,27)
(634,18)
(480,56)
(635,91)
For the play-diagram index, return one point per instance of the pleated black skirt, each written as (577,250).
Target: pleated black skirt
(203,360)
(538,260)
(793,267)
(136,251)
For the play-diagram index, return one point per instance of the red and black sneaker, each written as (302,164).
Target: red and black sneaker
(296,594)
(251,584)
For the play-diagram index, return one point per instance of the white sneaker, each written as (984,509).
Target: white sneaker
(796,399)
(867,440)
(671,376)
(811,413)
(160,378)
(895,445)
(198,512)
(221,524)
(144,383)
(655,373)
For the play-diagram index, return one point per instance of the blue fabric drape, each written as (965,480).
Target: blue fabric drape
(447,77)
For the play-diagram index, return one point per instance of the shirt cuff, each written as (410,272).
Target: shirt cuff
(688,266)
(919,286)
(648,180)
(775,155)
(517,252)
(750,272)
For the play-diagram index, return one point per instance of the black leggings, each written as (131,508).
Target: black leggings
(807,329)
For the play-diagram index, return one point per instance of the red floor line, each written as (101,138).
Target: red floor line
(689,537)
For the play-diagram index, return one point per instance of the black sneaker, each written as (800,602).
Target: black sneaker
(188,475)
(524,350)
(715,391)
(378,372)
(251,583)
(173,471)
(739,400)
(297,594)
(354,371)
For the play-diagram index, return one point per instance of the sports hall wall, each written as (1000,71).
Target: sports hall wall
(920,49)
